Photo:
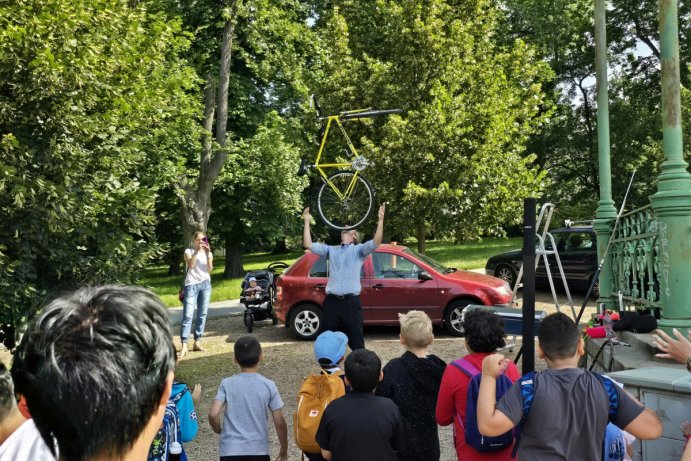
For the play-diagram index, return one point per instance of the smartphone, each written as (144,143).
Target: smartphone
(205,240)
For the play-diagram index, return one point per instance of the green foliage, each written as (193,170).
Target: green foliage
(455,163)
(259,186)
(95,112)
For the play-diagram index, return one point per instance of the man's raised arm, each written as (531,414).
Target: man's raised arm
(379,233)
(306,234)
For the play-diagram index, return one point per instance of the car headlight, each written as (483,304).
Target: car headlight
(505,289)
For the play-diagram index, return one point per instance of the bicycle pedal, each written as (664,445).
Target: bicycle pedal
(302,171)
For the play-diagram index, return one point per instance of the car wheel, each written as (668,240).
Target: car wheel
(506,273)
(453,315)
(305,321)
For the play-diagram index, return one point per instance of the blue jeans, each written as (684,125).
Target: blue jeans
(195,296)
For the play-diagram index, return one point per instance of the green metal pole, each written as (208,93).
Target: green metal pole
(672,201)
(606,212)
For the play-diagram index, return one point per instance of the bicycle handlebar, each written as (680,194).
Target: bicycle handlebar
(369,113)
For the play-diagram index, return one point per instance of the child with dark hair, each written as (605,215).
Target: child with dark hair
(361,425)
(96,368)
(484,334)
(570,407)
(247,398)
(412,383)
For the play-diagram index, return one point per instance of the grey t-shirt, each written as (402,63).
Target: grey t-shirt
(568,417)
(248,397)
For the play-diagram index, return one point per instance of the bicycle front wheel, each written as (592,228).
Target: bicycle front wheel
(342,211)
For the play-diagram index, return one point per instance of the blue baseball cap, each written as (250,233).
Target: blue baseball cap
(330,347)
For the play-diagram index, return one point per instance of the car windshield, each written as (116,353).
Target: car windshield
(429,261)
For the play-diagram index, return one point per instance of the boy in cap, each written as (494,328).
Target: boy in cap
(329,351)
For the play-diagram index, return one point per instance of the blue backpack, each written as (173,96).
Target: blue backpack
(527,383)
(473,437)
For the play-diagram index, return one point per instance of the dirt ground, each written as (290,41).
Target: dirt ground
(287,362)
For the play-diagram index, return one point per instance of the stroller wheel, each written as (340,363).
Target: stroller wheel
(274,319)
(249,322)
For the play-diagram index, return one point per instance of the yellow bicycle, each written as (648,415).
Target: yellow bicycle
(345,199)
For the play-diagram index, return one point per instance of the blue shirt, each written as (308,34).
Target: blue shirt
(345,262)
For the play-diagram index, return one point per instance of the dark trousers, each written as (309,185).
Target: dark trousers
(313,456)
(345,315)
(246,458)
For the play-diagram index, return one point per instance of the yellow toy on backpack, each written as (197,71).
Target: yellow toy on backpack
(316,393)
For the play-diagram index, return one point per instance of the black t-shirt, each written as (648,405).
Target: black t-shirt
(361,426)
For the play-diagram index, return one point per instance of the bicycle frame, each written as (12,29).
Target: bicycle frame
(320,167)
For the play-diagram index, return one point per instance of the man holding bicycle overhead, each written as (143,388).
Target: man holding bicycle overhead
(342,310)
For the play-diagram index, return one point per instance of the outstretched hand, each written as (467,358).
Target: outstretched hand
(382,209)
(306,214)
(677,349)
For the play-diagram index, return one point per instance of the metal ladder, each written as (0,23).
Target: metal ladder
(542,233)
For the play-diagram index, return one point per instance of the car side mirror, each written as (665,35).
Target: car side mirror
(423,275)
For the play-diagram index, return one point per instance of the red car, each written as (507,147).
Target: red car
(394,279)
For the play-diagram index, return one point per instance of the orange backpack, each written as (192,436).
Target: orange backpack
(316,392)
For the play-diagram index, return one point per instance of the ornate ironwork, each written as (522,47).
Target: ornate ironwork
(635,258)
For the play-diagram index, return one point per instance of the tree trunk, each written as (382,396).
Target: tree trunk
(174,260)
(234,267)
(421,238)
(196,201)
(280,246)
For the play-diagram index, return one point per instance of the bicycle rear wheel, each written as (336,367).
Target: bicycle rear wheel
(349,212)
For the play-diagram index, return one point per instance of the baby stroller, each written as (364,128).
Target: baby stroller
(258,300)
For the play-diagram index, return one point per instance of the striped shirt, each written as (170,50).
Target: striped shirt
(345,262)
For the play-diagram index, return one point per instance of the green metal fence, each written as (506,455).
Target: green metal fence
(635,259)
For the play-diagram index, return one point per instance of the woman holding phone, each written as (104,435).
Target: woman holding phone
(197,293)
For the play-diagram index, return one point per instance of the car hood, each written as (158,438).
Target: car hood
(507,255)
(476,278)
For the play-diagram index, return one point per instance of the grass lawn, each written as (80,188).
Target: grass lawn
(461,256)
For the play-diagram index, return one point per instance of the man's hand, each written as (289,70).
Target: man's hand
(306,215)
(382,209)
(282,456)
(677,349)
(494,365)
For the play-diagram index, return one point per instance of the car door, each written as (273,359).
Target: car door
(580,250)
(394,287)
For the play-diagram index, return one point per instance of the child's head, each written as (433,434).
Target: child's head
(248,351)
(363,370)
(558,336)
(416,329)
(484,330)
(253,282)
(329,348)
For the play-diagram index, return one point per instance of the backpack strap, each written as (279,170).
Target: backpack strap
(612,395)
(466,367)
(469,370)
(176,398)
(527,385)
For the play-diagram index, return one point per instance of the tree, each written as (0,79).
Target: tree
(95,109)
(269,42)
(455,162)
